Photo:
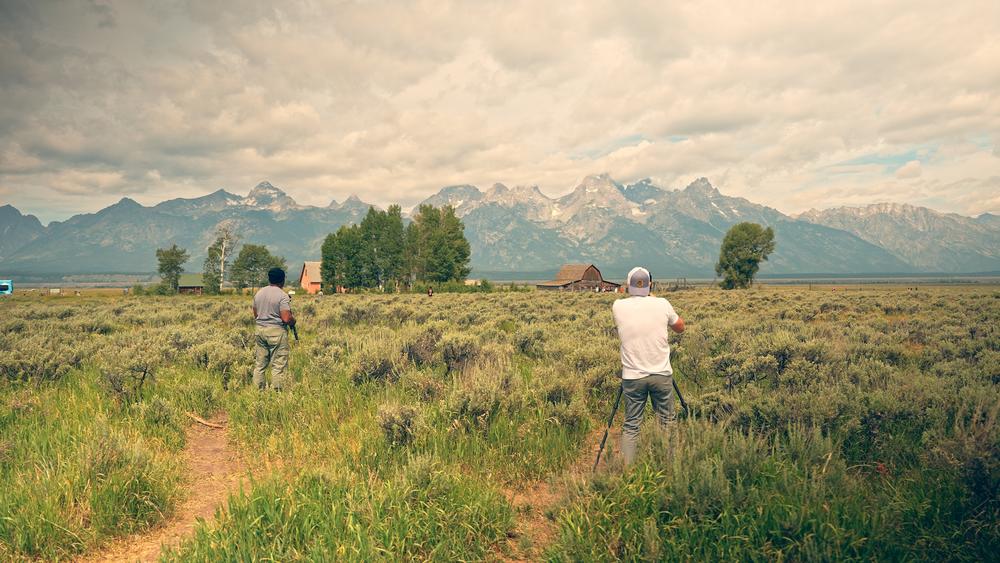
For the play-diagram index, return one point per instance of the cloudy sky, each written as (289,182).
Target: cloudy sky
(791,104)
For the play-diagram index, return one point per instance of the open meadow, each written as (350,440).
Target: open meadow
(824,424)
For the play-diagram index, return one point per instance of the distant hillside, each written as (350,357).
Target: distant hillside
(926,239)
(124,237)
(17,230)
(520,229)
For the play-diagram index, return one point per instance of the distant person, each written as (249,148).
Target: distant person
(430,292)
(272,311)
(643,323)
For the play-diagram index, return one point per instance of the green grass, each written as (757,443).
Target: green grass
(825,426)
(76,468)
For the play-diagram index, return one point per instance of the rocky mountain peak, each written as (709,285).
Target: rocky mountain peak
(127,202)
(265,187)
(702,186)
(497,190)
(597,182)
(461,197)
(267,196)
(887,208)
(9,210)
(353,202)
(644,191)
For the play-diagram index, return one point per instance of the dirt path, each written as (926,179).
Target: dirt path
(535,530)
(213,470)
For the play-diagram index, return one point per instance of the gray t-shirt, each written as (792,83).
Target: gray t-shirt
(269,302)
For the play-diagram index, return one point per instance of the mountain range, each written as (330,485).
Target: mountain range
(520,229)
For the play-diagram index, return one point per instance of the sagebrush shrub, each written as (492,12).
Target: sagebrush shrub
(458,351)
(399,423)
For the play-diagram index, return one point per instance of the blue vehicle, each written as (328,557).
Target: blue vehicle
(6,287)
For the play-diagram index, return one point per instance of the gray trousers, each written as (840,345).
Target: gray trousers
(272,348)
(660,390)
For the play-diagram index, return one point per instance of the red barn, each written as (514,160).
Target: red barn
(579,277)
(310,280)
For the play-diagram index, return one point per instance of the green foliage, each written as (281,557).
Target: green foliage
(77,468)
(379,253)
(170,265)
(367,255)
(382,243)
(436,245)
(744,247)
(251,266)
(342,259)
(428,512)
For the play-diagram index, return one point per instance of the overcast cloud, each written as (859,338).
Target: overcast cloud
(794,105)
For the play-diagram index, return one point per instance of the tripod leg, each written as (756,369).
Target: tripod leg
(611,420)
(684,404)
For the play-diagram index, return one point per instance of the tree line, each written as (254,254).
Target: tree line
(249,269)
(380,252)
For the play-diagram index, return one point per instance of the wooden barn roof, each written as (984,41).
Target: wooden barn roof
(312,269)
(570,273)
(573,272)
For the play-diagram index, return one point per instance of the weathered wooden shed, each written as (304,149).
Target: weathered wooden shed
(579,277)
(191,283)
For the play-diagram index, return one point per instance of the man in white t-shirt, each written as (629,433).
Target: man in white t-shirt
(643,323)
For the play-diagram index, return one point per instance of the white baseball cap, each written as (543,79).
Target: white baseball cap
(639,281)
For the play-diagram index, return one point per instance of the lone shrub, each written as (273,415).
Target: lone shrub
(375,365)
(422,349)
(399,423)
(458,351)
(531,343)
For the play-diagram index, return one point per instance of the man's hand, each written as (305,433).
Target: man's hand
(678,326)
(288,318)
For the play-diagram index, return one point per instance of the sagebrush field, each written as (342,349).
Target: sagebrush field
(825,425)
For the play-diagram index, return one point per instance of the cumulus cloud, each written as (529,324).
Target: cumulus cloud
(794,106)
(909,170)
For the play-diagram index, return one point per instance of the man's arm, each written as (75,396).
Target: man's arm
(287,317)
(678,326)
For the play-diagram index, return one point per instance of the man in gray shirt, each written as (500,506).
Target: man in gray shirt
(272,311)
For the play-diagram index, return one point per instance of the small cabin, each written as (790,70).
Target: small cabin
(579,277)
(311,279)
(192,284)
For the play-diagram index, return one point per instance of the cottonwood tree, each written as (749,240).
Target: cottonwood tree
(379,251)
(251,266)
(171,264)
(383,242)
(744,247)
(218,256)
(341,265)
(436,245)
(371,254)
